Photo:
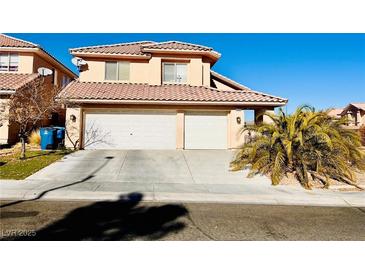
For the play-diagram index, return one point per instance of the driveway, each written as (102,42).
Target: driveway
(169,175)
(153,167)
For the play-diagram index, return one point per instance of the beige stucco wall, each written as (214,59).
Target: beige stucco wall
(195,72)
(4,123)
(206,74)
(180,129)
(235,138)
(149,71)
(74,128)
(155,71)
(25,63)
(94,72)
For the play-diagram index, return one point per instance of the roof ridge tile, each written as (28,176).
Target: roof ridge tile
(110,45)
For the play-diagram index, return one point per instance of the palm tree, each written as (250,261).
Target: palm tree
(307,144)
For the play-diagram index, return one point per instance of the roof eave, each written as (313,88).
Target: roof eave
(214,55)
(154,102)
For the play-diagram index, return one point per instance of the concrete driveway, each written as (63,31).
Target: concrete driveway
(144,167)
(170,175)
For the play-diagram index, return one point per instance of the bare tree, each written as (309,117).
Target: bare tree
(95,135)
(29,106)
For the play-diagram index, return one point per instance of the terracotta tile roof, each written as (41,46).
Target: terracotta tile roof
(134,48)
(142,48)
(14,81)
(176,45)
(162,93)
(7,41)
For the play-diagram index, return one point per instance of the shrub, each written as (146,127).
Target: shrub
(307,144)
(35,138)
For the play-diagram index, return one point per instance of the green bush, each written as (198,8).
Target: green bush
(307,144)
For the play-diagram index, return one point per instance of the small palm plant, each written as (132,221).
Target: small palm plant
(308,144)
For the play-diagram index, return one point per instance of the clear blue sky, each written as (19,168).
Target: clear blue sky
(324,70)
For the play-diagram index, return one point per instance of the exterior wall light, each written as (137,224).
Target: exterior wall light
(73,118)
(238,119)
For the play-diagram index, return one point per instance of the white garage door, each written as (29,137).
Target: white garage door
(205,130)
(130,130)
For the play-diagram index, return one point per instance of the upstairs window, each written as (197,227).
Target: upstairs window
(9,62)
(65,81)
(117,71)
(174,73)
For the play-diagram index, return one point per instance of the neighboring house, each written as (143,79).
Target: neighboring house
(355,113)
(149,95)
(19,62)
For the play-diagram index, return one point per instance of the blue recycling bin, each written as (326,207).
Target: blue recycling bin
(60,135)
(48,139)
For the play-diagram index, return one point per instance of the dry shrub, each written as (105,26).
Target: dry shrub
(362,134)
(35,138)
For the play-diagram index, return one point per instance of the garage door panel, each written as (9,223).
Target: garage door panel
(206,131)
(132,130)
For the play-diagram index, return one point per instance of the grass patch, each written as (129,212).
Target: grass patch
(11,167)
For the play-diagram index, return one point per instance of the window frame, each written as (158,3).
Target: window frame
(175,72)
(117,71)
(9,54)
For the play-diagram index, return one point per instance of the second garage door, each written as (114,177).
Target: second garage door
(206,130)
(130,130)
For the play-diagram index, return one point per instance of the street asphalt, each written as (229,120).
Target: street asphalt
(131,219)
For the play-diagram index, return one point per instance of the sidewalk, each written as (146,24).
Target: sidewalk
(246,193)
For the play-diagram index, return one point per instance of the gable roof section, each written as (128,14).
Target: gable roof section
(227,81)
(133,48)
(11,82)
(99,92)
(360,106)
(8,41)
(143,48)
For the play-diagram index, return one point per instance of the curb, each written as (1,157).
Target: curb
(333,201)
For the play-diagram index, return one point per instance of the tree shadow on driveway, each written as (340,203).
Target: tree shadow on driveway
(124,219)
(45,192)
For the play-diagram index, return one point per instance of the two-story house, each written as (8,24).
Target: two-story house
(19,63)
(157,95)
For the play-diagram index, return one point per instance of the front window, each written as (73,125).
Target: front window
(174,73)
(9,62)
(117,71)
